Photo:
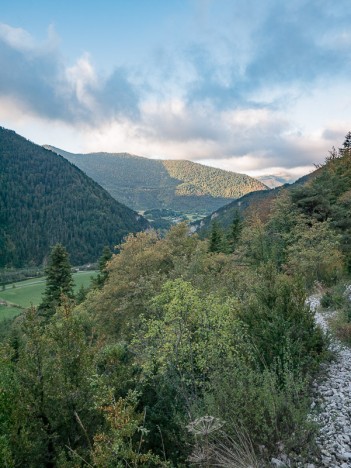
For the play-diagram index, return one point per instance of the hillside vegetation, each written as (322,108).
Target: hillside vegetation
(145,184)
(259,202)
(323,196)
(44,199)
(186,351)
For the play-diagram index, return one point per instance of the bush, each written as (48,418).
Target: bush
(256,403)
(341,322)
(280,324)
(334,297)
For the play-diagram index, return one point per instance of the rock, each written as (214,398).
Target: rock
(346,456)
(333,397)
(278,463)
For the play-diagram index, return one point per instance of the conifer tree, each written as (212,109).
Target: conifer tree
(235,231)
(216,239)
(99,281)
(346,149)
(59,280)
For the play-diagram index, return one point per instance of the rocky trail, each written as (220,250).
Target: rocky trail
(332,401)
(331,405)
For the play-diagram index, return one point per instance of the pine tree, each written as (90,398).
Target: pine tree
(99,281)
(235,231)
(346,149)
(59,280)
(217,242)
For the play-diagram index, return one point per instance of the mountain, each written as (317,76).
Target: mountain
(145,184)
(273,181)
(260,202)
(44,199)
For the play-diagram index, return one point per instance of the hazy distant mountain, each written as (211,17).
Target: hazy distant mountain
(44,199)
(145,184)
(273,181)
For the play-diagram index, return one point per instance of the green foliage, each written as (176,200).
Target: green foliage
(234,233)
(59,281)
(8,394)
(346,147)
(256,403)
(115,446)
(281,326)
(314,254)
(44,200)
(188,337)
(217,239)
(176,332)
(328,197)
(259,201)
(135,275)
(335,296)
(100,279)
(338,297)
(63,409)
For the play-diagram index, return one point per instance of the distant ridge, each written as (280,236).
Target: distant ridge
(44,199)
(273,181)
(144,184)
(259,202)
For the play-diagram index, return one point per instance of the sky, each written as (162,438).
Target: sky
(253,86)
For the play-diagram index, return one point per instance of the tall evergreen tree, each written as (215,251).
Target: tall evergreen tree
(235,231)
(346,149)
(102,275)
(59,279)
(217,243)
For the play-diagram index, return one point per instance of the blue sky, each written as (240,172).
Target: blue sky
(251,86)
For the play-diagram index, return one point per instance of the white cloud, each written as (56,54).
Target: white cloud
(17,38)
(82,81)
(234,99)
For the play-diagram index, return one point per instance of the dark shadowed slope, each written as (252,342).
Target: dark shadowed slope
(44,199)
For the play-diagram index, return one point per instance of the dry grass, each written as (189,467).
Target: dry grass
(214,447)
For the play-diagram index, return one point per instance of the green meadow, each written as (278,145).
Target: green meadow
(23,294)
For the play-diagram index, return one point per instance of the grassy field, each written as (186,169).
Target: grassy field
(8,312)
(28,292)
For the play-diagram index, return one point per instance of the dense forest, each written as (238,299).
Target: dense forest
(186,351)
(145,184)
(44,199)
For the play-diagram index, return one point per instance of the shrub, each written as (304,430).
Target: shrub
(334,297)
(256,403)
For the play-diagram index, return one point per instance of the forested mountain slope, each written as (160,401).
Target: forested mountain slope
(144,184)
(259,202)
(320,198)
(44,199)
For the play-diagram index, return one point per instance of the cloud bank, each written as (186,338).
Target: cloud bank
(253,88)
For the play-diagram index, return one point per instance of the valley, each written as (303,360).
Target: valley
(175,234)
(212,331)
